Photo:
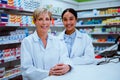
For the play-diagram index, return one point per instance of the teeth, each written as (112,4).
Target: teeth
(69,25)
(44,27)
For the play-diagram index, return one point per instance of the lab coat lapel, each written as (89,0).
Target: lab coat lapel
(61,36)
(77,42)
(49,44)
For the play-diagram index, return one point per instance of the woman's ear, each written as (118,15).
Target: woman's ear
(117,39)
(33,21)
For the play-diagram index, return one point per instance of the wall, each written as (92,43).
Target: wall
(57,5)
(98,4)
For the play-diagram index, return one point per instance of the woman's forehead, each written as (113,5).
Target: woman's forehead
(44,15)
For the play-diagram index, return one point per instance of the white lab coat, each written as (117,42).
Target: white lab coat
(82,50)
(36,60)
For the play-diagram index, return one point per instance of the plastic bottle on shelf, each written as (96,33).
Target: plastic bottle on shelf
(118,10)
(2,72)
(95,12)
(53,21)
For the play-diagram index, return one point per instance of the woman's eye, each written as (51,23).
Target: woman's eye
(47,19)
(71,18)
(64,19)
(40,19)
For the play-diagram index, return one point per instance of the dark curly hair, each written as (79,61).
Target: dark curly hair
(71,10)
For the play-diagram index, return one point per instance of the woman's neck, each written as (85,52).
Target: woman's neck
(69,32)
(42,36)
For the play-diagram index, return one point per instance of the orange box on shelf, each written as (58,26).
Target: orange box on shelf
(101,40)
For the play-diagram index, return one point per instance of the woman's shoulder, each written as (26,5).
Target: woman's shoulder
(55,38)
(28,38)
(81,34)
(84,36)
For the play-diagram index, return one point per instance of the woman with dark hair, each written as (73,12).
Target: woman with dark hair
(79,45)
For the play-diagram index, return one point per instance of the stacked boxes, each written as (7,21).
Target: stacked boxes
(18,19)
(3,1)
(10,2)
(3,18)
(2,72)
(31,5)
(18,3)
(15,18)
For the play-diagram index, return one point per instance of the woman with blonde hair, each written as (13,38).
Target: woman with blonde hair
(42,54)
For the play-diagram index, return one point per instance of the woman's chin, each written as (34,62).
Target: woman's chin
(69,29)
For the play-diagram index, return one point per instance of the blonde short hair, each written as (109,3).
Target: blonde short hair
(40,11)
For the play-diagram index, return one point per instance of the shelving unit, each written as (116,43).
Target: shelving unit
(11,76)
(10,46)
(12,31)
(11,34)
(103,33)
(102,24)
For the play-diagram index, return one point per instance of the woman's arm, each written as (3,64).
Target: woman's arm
(29,71)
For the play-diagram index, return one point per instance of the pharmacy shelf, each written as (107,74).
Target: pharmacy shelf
(11,76)
(103,42)
(23,25)
(20,25)
(5,29)
(8,59)
(90,25)
(103,33)
(16,25)
(9,45)
(15,10)
(56,16)
(59,26)
(99,25)
(2,24)
(113,24)
(102,8)
(18,10)
(10,42)
(5,6)
(100,16)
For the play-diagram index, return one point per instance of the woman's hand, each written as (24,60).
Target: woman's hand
(59,69)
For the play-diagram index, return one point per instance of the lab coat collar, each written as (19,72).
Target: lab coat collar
(72,36)
(78,34)
(78,37)
(36,37)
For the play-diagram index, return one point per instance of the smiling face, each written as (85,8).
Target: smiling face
(42,20)
(69,21)
(43,23)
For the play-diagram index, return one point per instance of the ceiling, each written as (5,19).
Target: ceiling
(83,0)
(78,2)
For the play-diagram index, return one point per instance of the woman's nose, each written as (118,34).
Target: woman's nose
(68,22)
(44,21)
